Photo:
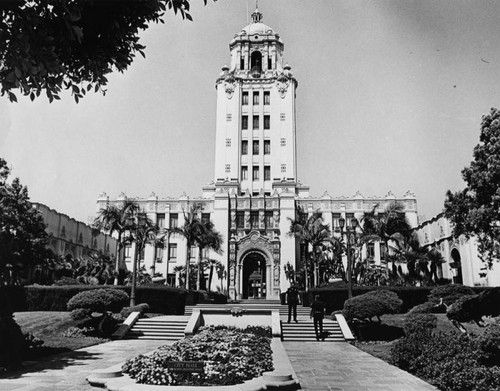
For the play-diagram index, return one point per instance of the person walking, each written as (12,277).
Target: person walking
(317,314)
(292,299)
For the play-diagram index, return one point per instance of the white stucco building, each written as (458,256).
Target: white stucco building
(255,189)
(462,263)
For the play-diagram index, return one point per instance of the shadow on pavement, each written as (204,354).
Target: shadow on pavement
(52,362)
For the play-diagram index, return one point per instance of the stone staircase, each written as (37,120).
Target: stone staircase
(169,328)
(172,327)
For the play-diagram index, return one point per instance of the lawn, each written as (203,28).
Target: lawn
(49,327)
(382,349)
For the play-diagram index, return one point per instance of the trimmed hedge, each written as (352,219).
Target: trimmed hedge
(372,304)
(334,298)
(161,299)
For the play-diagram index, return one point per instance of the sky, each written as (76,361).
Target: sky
(390,98)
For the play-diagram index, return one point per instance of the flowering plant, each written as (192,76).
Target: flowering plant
(230,356)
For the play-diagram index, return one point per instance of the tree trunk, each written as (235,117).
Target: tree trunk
(117,260)
(188,259)
(210,276)
(198,274)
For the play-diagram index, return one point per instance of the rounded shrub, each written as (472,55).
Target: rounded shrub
(99,300)
(142,308)
(372,304)
(425,308)
(450,293)
(80,313)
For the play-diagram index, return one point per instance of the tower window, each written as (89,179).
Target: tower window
(244,98)
(255,147)
(256,122)
(282,116)
(244,147)
(254,219)
(244,173)
(228,168)
(269,63)
(256,61)
(267,173)
(267,97)
(256,96)
(267,147)
(255,173)
(244,122)
(283,168)
(242,63)
(229,117)
(268,218)
(240,219)
(228,142)
(267,122)
(283,142)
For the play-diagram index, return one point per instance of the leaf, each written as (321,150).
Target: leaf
(188,17)
(12,97)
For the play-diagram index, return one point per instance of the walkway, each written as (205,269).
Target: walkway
(319,367)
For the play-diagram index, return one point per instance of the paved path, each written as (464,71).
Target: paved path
(343,367)
(67,371)
(319,367)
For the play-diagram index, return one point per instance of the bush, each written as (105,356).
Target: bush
(161,299)
(80,313)
(230,357)
(371,304)
(66,281)
(449,293)
(425,308)
(489,343)
(99,300)
(416,323)
(335,297)
(450,361)
(142,308)
(474,307)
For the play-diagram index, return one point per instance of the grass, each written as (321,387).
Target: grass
(49,327)
(382,349)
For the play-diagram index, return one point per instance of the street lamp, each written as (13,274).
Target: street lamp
(350,233)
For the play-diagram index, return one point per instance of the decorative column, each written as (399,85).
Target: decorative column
(232,268)
(276,261)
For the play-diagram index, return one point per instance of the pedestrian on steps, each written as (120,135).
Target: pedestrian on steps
(317,314)
(292,299)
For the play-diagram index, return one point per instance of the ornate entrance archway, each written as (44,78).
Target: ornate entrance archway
(255,259)
(253,276)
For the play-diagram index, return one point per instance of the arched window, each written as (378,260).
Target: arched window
(256,63)
(456,265)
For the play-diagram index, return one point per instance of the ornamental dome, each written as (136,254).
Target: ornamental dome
(257,27)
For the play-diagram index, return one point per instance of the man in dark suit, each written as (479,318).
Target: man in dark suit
(292,299)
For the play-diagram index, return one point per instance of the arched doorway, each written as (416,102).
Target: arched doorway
(456,265)
(254,276)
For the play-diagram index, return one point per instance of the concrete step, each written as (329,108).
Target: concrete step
(158,328)
(304,331)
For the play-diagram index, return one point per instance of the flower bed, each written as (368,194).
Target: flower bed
(230,356)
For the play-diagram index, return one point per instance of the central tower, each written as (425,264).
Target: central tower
(255,152)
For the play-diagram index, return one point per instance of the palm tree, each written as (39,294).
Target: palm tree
(191,231)
(311,232)
(141,231)
(115,219)
(210,239)
(389,226)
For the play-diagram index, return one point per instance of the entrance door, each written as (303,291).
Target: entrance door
(254,277)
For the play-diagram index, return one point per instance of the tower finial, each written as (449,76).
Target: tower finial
(256,16)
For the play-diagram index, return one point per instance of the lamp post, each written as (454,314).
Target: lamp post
(350,233)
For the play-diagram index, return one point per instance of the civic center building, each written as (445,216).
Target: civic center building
(255,190)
